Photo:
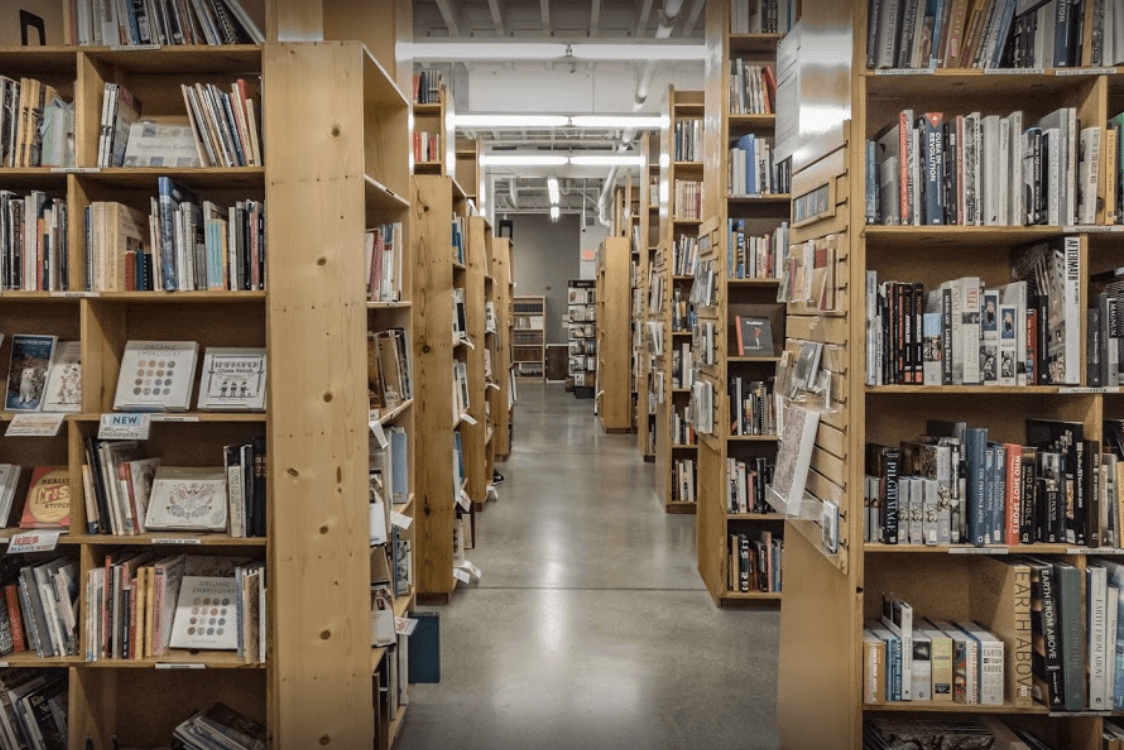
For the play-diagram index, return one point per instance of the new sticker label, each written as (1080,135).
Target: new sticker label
(125,427)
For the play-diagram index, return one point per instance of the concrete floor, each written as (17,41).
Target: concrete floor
(591,627)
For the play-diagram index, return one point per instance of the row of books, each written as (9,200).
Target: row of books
(684,254)
(1026,332)
(753,170)
(762,16)
(427,147)
(755,257)
(683,367)
(754,562)
(389,377)
(749,481)
(181,245)
(681,310)
(956,484)
(36,125)
(220,726)
(753,88)
(688,140)
(427,86)
(127,493)
(684,488)
(35,712)
(978,170)
(1105,340)
(39,609)
(151,22)
(704,342)
(457,241)
(227,126)
(34,232)
(682,426)
(752,407)
(893,733)
(141,606)
(384,246)
(688,199)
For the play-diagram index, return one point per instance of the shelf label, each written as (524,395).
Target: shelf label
(461,576)
(464,500)
(1069,391)
(178,418)
(1092,228)
(35,425)
(1013,71)
(34,541)
(76,170)
(375,424)
(904,72)
(176,540)
(1085,72)
(978,551)
(75,295)
(468,418)
(133,47)
(1094,551)
(405,625)
(401,520)
(178,665)
(125,427)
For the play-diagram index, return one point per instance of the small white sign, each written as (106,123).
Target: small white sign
(176,540)
(461,575)
(75,295)
(1088,391)
(978,551)
(401,520)
(904,72)
(34,541)
(1085,71)
(1091,228)
(133,47)
(405,625)
(35,425)
(76,170)
(468,418)
(475,571)
(178,665)
(464,500)
(125,427)
(1013,71)
(172,418)
(377,430)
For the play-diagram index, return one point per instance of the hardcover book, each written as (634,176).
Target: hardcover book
(795,455)
(206,614)
(156,376)
(234,379)
(187,499)
(48,499)
(755,337)
(27,371)
(63,389)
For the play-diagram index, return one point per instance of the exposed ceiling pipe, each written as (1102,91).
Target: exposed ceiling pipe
(513,192)
(668,16)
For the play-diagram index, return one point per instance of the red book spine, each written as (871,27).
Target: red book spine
(13,597)
(1014,492)
(741,344)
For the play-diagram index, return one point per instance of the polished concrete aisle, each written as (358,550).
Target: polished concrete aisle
(591,627)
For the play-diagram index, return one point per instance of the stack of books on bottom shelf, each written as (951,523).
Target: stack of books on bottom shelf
(684,489)
(220,727)
(752,407)
(949,734)
(748,482)
(140,606)
(35,711)
(38,611)
(754,562)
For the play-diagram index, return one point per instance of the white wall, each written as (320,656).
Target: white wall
(546,257)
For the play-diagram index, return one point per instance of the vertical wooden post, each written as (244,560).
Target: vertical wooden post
(320,691)
(475,435)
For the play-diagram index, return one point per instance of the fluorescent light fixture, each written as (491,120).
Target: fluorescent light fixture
(638,52)
(460,51)
(555,212)
(523,160)
(616,121)
(512,121)
(607,161)
(552,190)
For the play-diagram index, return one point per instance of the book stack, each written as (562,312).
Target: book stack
(682,431)
(1027,332)
(685,254)
(150,22)
(753,88)
(120,109)
(752,407)
(35,712)
(193,246)
(752,169)
(40,607)
(683,367)
(457,239)
(427,86)
(755,257)
(384,260)
(688,140)
(36,125)
(34,231)
(762,16)
(427,147)
(227,126)
(389,379)
(688,200)
(953,734)
(117,237)
(684,488)
(754,562)
(955,485)
(220,727)
(748,482)
(983,170)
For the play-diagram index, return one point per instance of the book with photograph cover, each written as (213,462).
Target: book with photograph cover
(755,337)
(27,371)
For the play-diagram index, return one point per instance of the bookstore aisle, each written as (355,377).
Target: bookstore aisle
(590,627)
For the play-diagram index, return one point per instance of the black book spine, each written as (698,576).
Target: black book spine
(946,336)
(1093,353)
(99,486)
(259,487)
(1027,522)
(1051,659)
(1093,532)
(905,39)
(1083,469)
(1043,339)
(872,31)
(892,460)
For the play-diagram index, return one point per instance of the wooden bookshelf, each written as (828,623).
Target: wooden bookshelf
(437,118)
(761,214)
(529,338)
(649,235)
(613,342)
(582,334)
(505,329)
(475,436)
(492,345)
(470,174)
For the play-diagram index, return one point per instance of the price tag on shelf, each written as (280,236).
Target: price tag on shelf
(76,170)
(401,520)
(34,541)
(75,295)
(125,427)
(134,47)
(1013,71)
(405,625)
(904,72)
(178,418)
(978,551)
(35,425)
(468,418)
(461,575)
(178,665)
(1091,229)
(1085,71)
(1088,391)
(176,540)
(376,428)
(464,500)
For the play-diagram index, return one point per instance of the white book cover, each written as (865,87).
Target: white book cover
(63,391)
(991,167)
(1090,166)
(156,376)
(233,379)
(187,499)
(1072,312)
(1016,213)
(970,315)
(1055,203)
(1003,172)
(897,616)
(206,614)
(1008,345)
(1096,629)
(795,456)
(1015,294)
(141,475)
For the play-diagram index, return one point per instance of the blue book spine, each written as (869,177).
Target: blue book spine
(167,206)
(976,448)
(933,153)
(871,183)
(729,248)
(750,165)
(1061,35)
(1004,31)
(999,491)
(938,29)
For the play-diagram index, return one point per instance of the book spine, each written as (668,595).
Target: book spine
(1013,495)
(977,485)
(1072,637)
(1054,677)
(11,593)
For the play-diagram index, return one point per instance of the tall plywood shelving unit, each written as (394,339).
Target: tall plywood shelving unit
(349,138)
(682,106)
(438,118)
(761,214)
(649,234)
(613,341)
(502,408)
(474,437)
(529,339)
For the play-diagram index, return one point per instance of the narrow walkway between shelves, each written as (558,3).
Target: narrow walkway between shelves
(591,627)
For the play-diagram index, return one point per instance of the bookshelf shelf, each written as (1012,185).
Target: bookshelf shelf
(529,337)
(931,707)
(958,237)
(752,283)
(967,549)
(781,200)
(750,596)
(30,659)
(749,44)
(965,390)
(754,517)
(186,540)
(747,123)
(396,413)
(381,198)
(200,178)
(182,659)
(678,507)
(389,305)
(752,438)
(240,58)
